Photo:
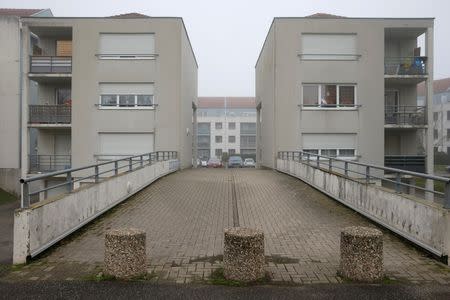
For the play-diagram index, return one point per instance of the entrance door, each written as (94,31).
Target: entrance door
(391,103)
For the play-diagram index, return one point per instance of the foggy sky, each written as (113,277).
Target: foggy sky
(227,36)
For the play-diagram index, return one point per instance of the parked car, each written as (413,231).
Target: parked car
(249,163)
(204,162)
(235,162)
(214,163)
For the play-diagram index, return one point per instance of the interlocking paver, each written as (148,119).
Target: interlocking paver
(184,215)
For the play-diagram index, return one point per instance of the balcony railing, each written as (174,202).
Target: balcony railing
(50,64)
(50,114)
(412,65)
(413,163)
(405,115)
(49,163)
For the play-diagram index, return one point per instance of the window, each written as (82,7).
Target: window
(231,151)
(125,95)
(218,125)
(327,144)
(232,139)
(218,153)
(232,125)
(127,46)
(448,134)
(435,134)
(435,116)
(203,141)
(329,152)
(329,95)
(328,47)
(203,128)
(448,114)
(248,141)
(248,128)
(218,139)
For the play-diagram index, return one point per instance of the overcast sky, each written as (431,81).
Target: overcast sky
(227,35)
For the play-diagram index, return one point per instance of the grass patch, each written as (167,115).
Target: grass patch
(6,197)
(439,186)
(218,278)
(99,277)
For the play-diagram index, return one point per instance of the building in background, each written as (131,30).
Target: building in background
(106,88)
(441,113)
(10,95)
(347,87)
(226,125)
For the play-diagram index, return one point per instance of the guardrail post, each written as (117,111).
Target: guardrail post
(398,187)
(116,167)
(157,156)
(447,195)
(308,158)
(25,195)
(346,168)
(330,164)
(130,163)
(318,162)
(69,181)
(142,161)
(96,174)
(367,174)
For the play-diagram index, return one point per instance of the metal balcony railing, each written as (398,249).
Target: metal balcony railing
(411,65)
(405,115)
(50,114)
(49,163)
(50,64)
(414,163)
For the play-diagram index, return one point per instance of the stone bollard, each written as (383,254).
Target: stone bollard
(243,254)
(125,255)
(361,254)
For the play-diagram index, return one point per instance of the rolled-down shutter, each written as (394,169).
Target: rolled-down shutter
(127,43)
(329,141)
(123,144)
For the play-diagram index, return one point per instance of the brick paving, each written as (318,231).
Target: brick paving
(184,215)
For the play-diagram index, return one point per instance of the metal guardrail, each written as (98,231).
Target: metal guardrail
(414,163)
(405,115)
(50,114)
(50,64)
(370,172)
(408,65)
(49,163)
(94,173)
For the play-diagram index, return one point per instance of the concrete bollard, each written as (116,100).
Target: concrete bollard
(361,254)
(125,255)
(243,254)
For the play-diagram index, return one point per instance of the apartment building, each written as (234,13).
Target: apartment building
(226,124)
(441,113)
(347,87)
(106,88)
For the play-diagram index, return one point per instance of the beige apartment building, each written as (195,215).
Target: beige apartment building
(106,88)
(347,87)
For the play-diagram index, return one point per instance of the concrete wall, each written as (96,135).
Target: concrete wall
(10,104)
(44,223)
(425,224)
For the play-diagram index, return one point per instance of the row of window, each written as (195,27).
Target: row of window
(436,115)
(245,128)
(126,100)
(245,140)
(349,153)
(329,95)
(436,134)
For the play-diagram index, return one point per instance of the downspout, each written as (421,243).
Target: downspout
(20,93)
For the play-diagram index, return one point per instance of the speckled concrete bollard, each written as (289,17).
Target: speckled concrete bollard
(243,254)
(125,255)
(361,254)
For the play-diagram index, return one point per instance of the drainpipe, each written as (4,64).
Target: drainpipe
(20,92)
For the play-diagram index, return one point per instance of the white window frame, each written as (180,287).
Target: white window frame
(337,107)
(354,157)
(117,106)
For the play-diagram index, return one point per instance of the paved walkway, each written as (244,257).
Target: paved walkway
(184,215)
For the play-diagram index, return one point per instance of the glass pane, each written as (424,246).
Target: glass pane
(346,95)
(347,152)
(328,95)
(329,152)
(126,100)
(145,100)
(218,125)
(109,100)
(310,95)
(63,96)
(311,151)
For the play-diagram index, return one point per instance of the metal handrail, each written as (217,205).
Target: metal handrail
(50,64)
(405,115)
(406,65)
(318,161)
(141,160)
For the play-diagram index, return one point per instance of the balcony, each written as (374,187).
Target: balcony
(51,64)
(50,115)
(49,163)
(414,163)
(410,69)
(405,116)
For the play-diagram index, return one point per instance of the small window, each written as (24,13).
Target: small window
(218,139)
(448,115)
(310,95)
(232,139)
(329,152)
(328,95)
(218,125)
(144,100)
(232,125)
(218,153)
(311,151)
(346,95)
(231,151)
(346,152)
(109,100)
(126,100)
(435,133)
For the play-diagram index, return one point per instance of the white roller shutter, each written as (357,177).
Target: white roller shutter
(329,140)
(328,46)
(126,143)
(126,88)
(127,43)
